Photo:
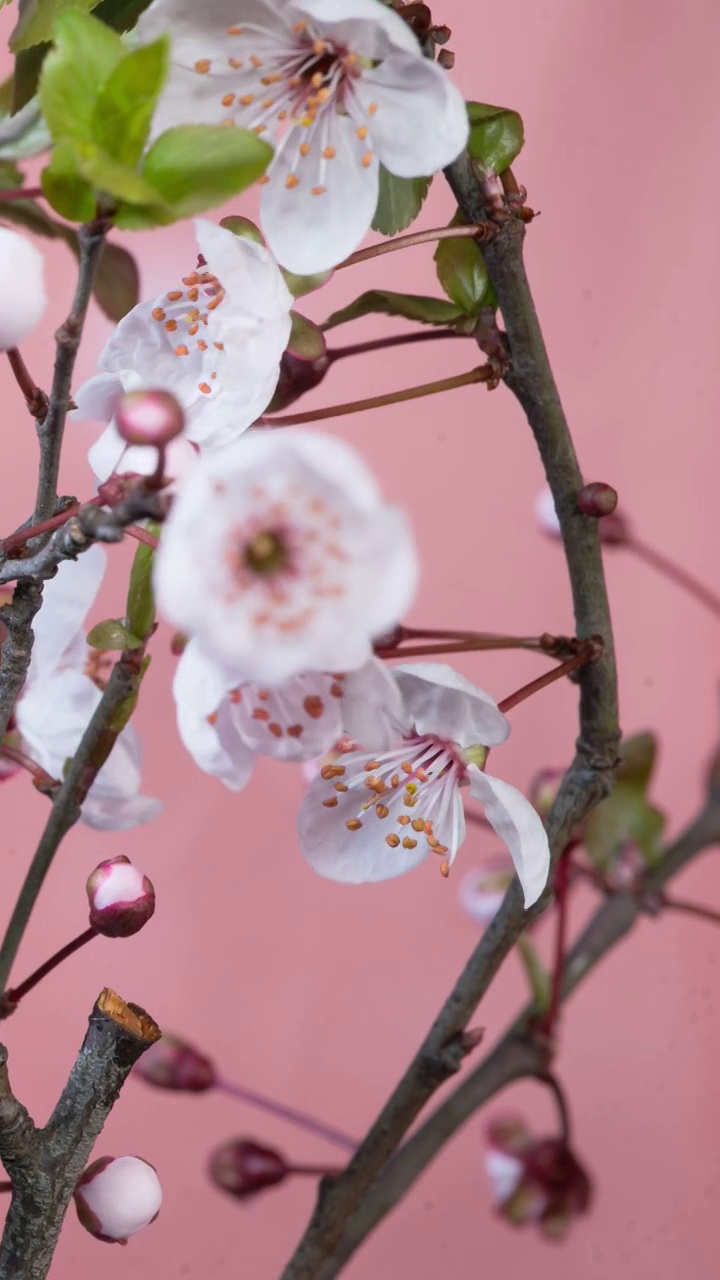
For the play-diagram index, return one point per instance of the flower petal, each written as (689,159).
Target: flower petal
(120,815)
(372,708)
(67,598)
(249,274)
(95,400)
(199,688)
(420,123)
(519,826)
(441,701)
(363,25)
(315,211)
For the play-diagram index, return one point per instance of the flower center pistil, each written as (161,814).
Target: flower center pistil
(266,553)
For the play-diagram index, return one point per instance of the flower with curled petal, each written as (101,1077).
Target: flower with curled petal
(214,342)
(373,817)
(337,85)
(279,557)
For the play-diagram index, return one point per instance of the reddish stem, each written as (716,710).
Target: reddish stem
(142,535)
(675,573)
(35,399)
(299,1118)
(315,1170)
(6,1186)
(482,374)
(590,653)
(464,232)
(18,757)
(691,909)
(22,193)
(13,996)
(19,539)
(397,340)
(561,886)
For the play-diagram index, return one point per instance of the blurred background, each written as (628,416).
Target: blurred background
(319,993)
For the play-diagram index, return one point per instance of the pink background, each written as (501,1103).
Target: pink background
(317,992)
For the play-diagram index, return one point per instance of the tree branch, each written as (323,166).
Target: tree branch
(44,1164)
(589,777)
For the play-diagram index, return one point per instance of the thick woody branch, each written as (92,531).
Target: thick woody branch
(588,779)
(44,1164)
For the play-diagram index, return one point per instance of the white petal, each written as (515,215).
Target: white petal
(299,719)
(120,815)
(248,272)
(441,701)
(364,25)
(421,122)
(96,398)
(372,708)
(505,1173)
(67,599)
(519,826)
(199,688)
(313,232)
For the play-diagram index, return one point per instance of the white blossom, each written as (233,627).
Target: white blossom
(117,1196)
(336,85)
(214,341)
(375,816)
(22,288)
(280,557)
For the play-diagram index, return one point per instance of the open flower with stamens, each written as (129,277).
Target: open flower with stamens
(336,85)
(280,557)
(373,817)
(214,341)
(225,729)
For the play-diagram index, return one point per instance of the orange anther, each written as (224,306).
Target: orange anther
(329,153)
(372,108)
(202,65)
(362,131)
(330,802)
(354,824)
(304,148)
(392,840)
(255,61)
(408,843)
(403,820)
(382,810)
(182,350)
(158,313)
(444,869)
(372,764)
(339,786)
(171,326)
(175,295)
(228,100)
(291,181)
(418,824)
(318,191)
(205,388)
(235,696)
(233,31)
(367,160)
(246,99)
(275,729)
(235,63)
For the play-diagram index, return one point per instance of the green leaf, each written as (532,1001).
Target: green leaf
(38,17)
(10,176)
(195,167)
(141,601)
(128,705)
(627,817)
(384,302)
(115,179)
(125,105)
(113,634)
(496,135)
(65,187)
(85,54)
(399,202)
(463,275)
(306,338)
(121,15)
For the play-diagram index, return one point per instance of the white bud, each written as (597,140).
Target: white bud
(22,288)
(121,898)
(117,1196)
(546,514)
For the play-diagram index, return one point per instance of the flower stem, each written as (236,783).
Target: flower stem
(561,1103)
(313,1170)
(35,399)
(674,572)
(472,231)
(299,1118)
(590,652)
(142,535)
(43,780)
(691,909)
(396,340)
(19,539)
(14,995)
(22,193)
(561,886)
(482,374)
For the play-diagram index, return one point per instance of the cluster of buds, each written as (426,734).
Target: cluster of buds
(121,898)
(117,1196)
(535,1180)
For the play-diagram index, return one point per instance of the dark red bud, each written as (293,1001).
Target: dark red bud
(121,898)
(597,499)
(446,59)
(174,1064)
(243,1168)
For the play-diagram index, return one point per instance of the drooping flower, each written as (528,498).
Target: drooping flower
(535,1180)
(214,342)
(121,898)
(280,557)
(117,1196)
(375,816)
(22,288)
(336,85)
(59,699)
(225,729)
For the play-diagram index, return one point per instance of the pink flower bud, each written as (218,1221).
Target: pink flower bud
(243,1168)
(121,898)
(597,499)
(22,288)
(117,1196)
(534,1180)
(172,1063)
(149,417)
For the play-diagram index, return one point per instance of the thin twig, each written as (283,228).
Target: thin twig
(590,653)
(35,399)
(464,232)
(482,374)
(674,572)
(711,914)
(43,780)
(291,1114)
(12,998)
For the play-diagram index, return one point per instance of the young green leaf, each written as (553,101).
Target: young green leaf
(463,275)
(140,600)
(496,136)
(125,105)
(409,306)
(113,634)
(38,17)
(627,817)
(195,167)
(85,54)
(399,202)
(65,187)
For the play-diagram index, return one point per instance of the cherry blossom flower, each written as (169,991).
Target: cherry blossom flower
(279,557)
(336,85)
(373,817)
(117,1196)
(60,697)
(214,342)
(225,729)
(22,288)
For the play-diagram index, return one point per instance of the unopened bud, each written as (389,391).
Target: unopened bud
(243,1168)
(172,1063)
(149,417)
(117,1196)
(534,1180)
(121,898)
(446,59)
(597,499)
(22,288)
(613,527)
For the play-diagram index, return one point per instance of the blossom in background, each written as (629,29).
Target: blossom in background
(375,816)
(535,1180)
(482,890)
(336,85)
(225,729)
(214,342)
(117,1196)
(22,287)
(279,557)
(59,699)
